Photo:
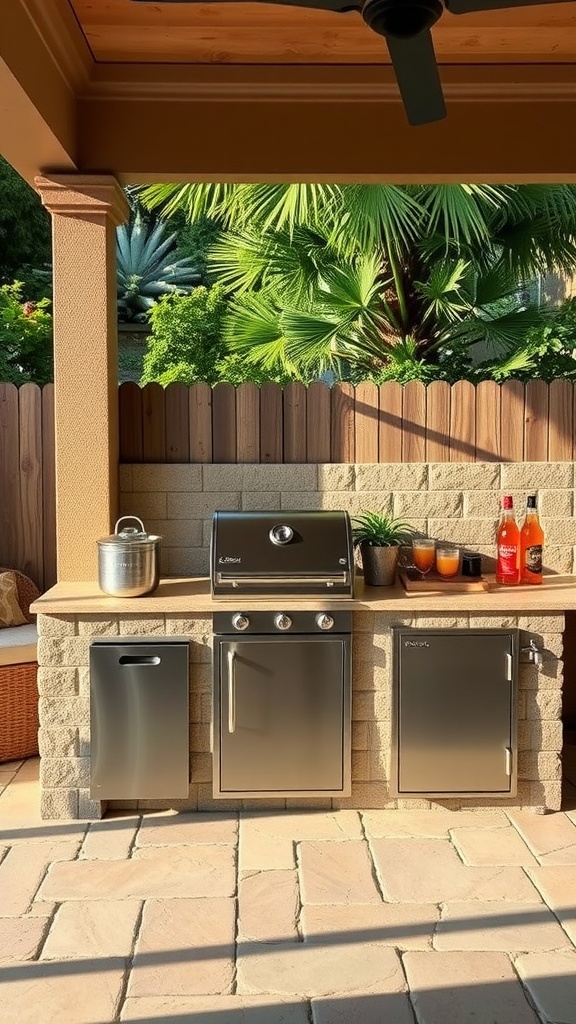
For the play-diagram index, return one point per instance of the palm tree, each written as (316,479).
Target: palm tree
(374,274)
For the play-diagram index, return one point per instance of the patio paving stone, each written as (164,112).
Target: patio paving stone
(268,906)
(299,825)
(93,928)
(307,969)
(430,871)
(172,828)
(65,992)
(558,888)
(434,824)
(551,981)
(392,1008)
(20,939)
(217,1010)
(110,839)
(337,873)
(202,871)
(466,988)
(259,851)
(23,869)
(392,924)
(185,947)
(496,926)
(485,846)
(545,833)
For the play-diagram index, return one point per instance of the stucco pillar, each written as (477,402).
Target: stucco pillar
(85,212)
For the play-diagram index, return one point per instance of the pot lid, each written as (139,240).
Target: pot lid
(129,535)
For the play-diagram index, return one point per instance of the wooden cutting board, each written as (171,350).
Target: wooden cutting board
(413,583)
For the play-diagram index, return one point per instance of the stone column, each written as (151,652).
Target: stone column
(85,212)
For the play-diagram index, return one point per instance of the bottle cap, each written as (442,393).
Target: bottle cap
(507,501)
(531,501)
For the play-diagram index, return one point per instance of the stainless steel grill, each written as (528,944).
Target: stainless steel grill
(282,553)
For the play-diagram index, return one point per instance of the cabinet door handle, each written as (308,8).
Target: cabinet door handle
(508,761)
(231,691)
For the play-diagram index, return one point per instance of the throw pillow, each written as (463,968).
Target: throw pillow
(10,611)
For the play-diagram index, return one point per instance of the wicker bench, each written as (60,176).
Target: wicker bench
(18,682)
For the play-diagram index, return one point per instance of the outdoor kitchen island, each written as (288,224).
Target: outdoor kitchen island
(71,615)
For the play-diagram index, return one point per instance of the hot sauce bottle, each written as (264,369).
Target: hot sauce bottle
(531,544)
(508,545)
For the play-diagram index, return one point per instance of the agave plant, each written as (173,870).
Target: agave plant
(146,268)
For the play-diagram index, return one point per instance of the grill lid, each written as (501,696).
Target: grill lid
(282,552)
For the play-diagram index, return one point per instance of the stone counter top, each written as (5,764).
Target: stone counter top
(192,594)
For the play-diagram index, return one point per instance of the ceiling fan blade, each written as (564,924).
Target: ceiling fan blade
(320,5)
(416,70)
(468,6)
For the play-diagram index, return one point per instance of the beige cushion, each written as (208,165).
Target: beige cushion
(10,611)
(18,645)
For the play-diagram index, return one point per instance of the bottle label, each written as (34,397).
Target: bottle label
(533,559)
(507,560)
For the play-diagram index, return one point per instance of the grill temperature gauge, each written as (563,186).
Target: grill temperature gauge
(282,621)
(324,621)
(240,621)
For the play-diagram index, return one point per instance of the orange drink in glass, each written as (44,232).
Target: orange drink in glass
(448,561)
(423,551)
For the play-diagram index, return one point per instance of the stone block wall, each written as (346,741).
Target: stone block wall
(63,681)
(457,502)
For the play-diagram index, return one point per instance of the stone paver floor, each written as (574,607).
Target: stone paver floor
(344,917)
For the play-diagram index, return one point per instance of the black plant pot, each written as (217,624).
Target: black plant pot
(379,564)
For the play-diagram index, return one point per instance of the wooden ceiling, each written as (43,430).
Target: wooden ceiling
(119,31)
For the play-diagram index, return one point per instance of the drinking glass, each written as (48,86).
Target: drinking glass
(448,561)
(423,550)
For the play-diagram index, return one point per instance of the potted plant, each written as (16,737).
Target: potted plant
(379,537)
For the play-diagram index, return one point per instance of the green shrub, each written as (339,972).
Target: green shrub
(25,338)
(187,337)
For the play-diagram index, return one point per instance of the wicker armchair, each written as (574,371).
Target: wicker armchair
(18,680)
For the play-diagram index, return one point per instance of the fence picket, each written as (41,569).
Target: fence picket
(295,423)
(561,420)
(130,397)
(177,423)
(366,422)
(271,449)
(224,423)
(153,424)
(488,432)
(318,423)
(536,421)
(438,421)
(247,423)
(462,422)
(512,421)
(414,422)
(9,477)
(200,423)
(390,402)
(342,441)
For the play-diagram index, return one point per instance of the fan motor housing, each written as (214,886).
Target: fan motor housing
(401,19)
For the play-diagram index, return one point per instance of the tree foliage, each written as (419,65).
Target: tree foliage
(25,338)
(25,233)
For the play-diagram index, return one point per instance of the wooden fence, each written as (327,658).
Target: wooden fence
(27,482)
(511,422)
(438,423)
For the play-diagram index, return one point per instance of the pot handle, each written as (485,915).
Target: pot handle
(129,517)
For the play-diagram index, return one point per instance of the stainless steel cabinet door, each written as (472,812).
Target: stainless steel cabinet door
(139,721)
(280,714)
(455,712)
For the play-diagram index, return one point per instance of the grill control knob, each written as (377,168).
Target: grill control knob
(281,534)
(240,621)
(282,621)
(324,621)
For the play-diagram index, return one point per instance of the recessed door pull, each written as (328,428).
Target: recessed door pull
(129,659)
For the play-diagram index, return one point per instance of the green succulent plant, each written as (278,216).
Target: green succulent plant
(146,268)
(379,530)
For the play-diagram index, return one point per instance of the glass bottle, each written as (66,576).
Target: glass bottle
(508,545)
(531,544)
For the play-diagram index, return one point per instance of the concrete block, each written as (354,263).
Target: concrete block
(535,476)
(481,504)
(201,767)
(201,505)
(464,476)
(145,505)
(58,742)
(64,772)
(544,704)
(58,682)
(184,624)
(59,803)
(185,562)
(392,476)
(63,712)
(66,652)
(493,621)
(336,476)
(200,738)
(260,501)
(546,794)
(177,532)
(89,808)
(463,531)
(360,735)
(166,477)
(546,735)
(223,478)
(141,625)
(56,625)
(443,504)
(98,625)
(539,767)
(125,478)
(541,623)
(281,477)
(556,503)
(366,796)
(360,766)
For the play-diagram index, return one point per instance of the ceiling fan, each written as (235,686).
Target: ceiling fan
(405,25)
